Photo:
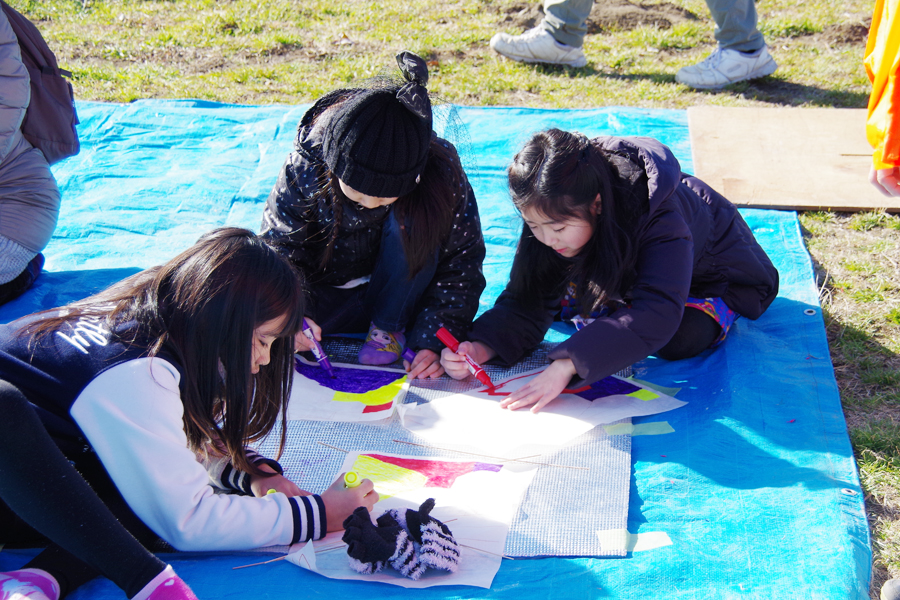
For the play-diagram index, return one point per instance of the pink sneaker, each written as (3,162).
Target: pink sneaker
(381,347)
(166,586)
(28,584)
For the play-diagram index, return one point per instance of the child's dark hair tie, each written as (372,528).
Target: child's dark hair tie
(585,155)
(413,94)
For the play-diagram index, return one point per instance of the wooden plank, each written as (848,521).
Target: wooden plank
(790,158)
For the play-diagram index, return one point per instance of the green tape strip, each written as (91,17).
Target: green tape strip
(657,428)
(633,542)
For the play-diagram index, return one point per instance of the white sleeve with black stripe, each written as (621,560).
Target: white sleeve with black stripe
(225,476)
(131,415)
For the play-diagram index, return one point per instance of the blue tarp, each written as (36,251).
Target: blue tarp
(756,488)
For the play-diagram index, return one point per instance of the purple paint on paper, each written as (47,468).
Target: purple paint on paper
(486,467)
(608,386)
(354,381)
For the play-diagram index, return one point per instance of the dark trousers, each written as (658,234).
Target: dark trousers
(43,495)
(388,300)
(695,334)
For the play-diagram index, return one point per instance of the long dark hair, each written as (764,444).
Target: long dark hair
(425,214)
(201,308)
(559,174)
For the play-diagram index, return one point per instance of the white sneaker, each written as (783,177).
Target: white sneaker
(723,67)
(537,46)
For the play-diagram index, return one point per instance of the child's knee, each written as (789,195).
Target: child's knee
(697,332)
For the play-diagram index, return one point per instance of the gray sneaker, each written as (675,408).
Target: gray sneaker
(724,67)
(537,46)
(891,590)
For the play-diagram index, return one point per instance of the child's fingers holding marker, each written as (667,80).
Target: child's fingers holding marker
(301,342)
(317,331)
(340,500)
(454,363)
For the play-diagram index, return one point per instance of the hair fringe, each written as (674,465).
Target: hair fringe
(560,174)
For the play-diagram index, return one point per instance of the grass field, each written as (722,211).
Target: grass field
(278,51)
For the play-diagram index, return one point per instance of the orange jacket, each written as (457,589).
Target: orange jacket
(882,63)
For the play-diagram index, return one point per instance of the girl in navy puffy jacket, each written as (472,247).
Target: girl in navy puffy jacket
(642,258)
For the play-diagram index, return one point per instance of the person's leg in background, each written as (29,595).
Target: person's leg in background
(557,40)
(29,207)
(741,53)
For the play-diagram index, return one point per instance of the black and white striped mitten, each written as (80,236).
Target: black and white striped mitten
(435,546)
(369,546)
(405,560)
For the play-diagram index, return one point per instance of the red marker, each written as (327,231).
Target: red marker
(447,338)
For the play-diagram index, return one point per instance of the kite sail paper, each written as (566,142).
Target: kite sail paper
(477,500)
(474,418)
(358,393)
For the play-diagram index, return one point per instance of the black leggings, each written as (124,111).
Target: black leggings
(696,333)
(41,490)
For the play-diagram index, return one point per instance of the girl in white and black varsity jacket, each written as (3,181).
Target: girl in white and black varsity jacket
(153,389)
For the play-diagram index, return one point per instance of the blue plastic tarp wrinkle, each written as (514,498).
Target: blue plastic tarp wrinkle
(756,487)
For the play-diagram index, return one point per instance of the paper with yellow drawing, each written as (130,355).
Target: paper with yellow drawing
(477,499)
(359,393)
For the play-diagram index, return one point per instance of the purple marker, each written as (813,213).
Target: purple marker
(317,350)
(408,355)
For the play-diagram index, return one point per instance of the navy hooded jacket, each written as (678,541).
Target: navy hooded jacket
(691,242)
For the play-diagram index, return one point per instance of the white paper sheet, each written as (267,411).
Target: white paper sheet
(476,499)
(474,419)
(354,396)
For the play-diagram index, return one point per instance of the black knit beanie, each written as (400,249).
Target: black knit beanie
(377,141)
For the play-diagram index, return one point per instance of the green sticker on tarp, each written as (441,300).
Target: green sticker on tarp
(656,428)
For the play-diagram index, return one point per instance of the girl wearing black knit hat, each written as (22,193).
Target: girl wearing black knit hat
(377,212)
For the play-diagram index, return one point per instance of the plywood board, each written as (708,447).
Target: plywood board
(790,158)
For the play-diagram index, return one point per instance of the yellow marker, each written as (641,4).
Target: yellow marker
(351,479)
(271,492)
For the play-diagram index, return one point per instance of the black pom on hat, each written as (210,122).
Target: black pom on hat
(377,141)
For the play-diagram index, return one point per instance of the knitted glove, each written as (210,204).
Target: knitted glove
(435,544)
(405,560)
(370,547)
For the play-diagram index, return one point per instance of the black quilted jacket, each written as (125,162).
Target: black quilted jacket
(298,222)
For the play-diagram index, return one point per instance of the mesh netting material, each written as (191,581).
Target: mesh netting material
(590,503)
(756,486)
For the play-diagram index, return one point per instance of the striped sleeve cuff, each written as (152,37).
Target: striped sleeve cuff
(310,522)
(235,480)
(226,477)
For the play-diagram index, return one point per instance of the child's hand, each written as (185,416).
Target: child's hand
(454,363)
(886,180)
(544,388)
(424,365)
(341,501)
(301,342)
(260,486)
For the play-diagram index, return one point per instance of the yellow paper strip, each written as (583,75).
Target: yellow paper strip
(668,391)
(644,395)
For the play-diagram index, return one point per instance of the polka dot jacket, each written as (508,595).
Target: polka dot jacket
(298,219)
